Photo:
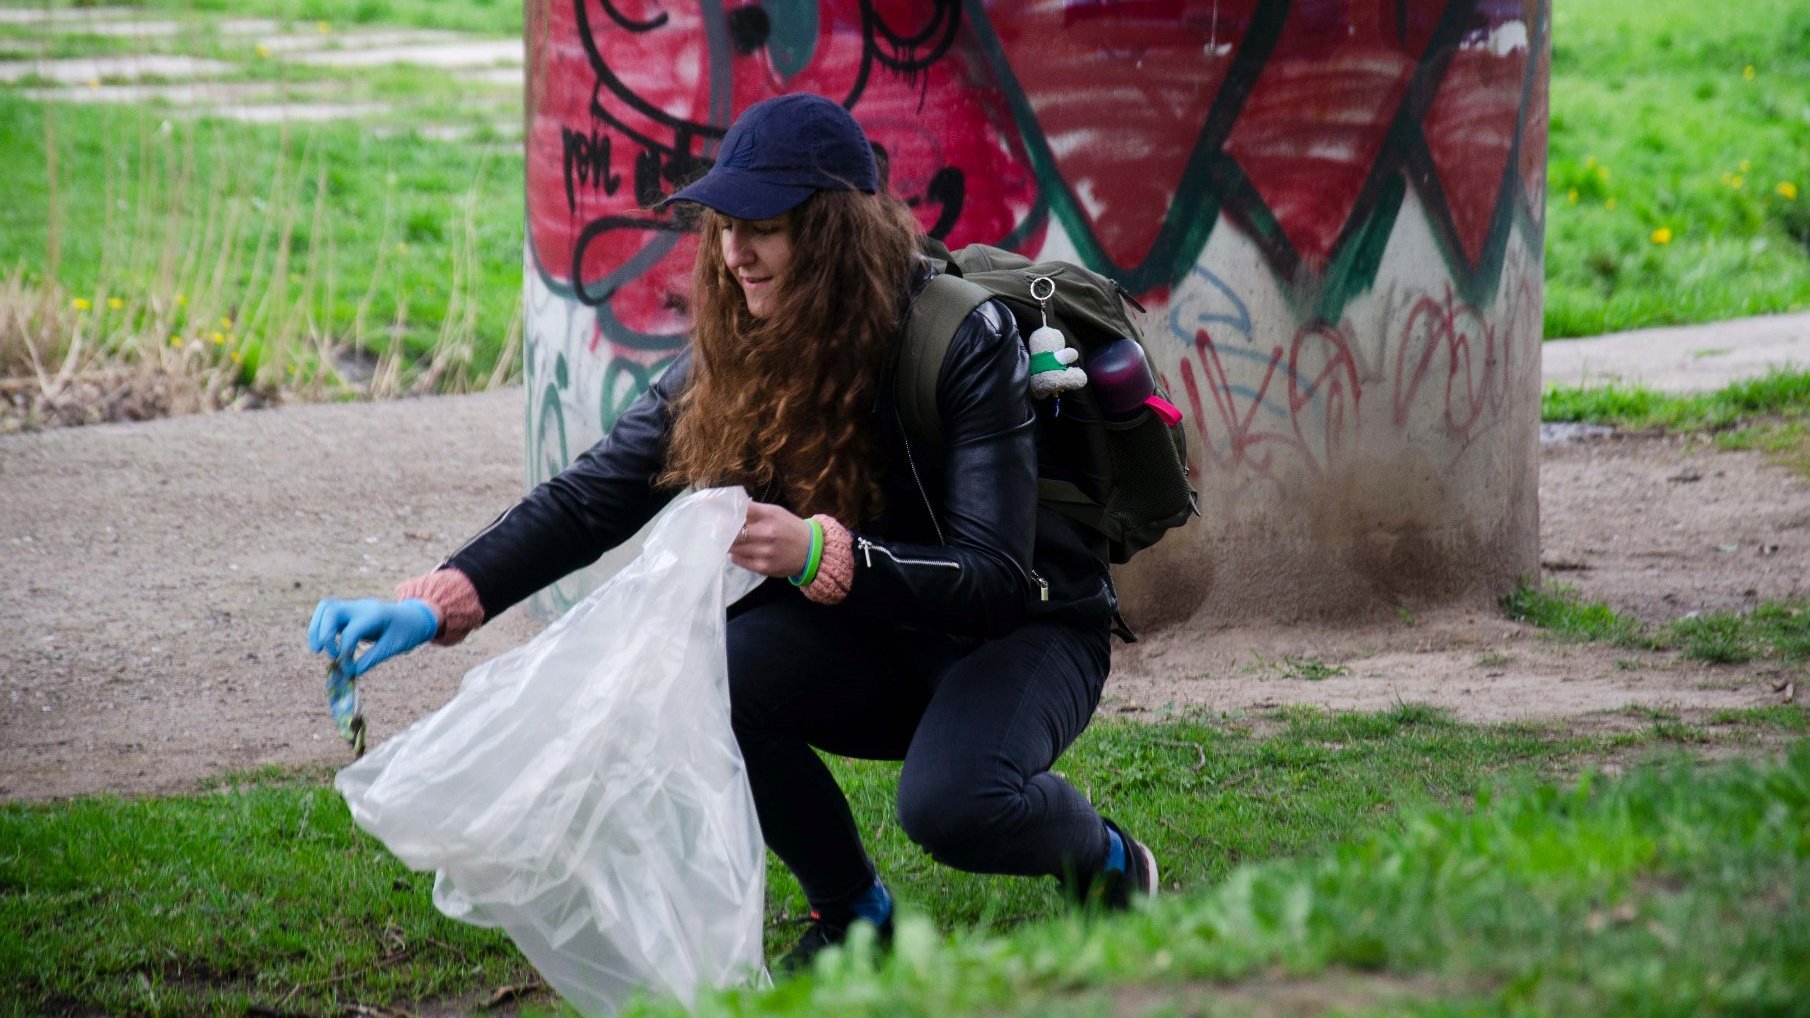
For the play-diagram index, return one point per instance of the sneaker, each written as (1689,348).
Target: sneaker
(1114,891)
(823,933)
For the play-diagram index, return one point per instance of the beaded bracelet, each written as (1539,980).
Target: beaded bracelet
(813,560)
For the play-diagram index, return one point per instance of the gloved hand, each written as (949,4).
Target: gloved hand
(391,628)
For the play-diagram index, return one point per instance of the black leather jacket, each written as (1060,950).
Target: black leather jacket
(961,548)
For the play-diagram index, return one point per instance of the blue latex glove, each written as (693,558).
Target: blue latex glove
(390,627)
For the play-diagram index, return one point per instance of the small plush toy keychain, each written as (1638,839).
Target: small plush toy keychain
(1053,369)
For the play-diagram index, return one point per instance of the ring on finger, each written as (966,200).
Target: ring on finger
(743,536)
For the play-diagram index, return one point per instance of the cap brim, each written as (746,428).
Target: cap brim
(741,194)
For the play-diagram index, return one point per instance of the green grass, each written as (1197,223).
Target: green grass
(1675,891)
(374,239)
(252,894)
(1658,125)
(1774,631)
(496,17)
(1562,611)
(1779,393)
(1654,118)
(1312,669)
(1767,414)
(260,891)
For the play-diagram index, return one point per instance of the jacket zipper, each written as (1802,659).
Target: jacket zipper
(867,554)
(911,461)
(1043,586)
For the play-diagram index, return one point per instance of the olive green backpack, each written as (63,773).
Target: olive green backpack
(1125,481)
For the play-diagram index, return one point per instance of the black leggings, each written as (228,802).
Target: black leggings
(978,728)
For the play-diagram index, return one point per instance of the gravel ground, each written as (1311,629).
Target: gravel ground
(162,575)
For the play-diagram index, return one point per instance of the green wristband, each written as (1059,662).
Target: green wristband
(813,560)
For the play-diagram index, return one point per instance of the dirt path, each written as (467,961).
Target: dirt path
(160,577)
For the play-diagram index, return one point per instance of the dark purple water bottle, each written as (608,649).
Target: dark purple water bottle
(1123,384)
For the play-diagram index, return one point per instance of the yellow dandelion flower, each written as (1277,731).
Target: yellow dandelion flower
(1786,190)
(181,301)
(322,27)
(1571,196)
(1662,236)
(1610,204)
(81,304)
(262,50)
(94,82)
(226,323)
(237,357)
(1736,181)
(1747,73)
(217,338)
(115,303)
(175,340)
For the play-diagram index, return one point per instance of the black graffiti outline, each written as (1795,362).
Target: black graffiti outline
(676,164)
(658,21)
(1212,181)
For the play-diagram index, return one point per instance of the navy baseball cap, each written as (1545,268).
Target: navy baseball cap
(780,152)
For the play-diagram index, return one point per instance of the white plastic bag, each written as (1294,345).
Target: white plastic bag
(584,791)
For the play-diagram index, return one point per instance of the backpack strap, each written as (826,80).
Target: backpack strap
(930,327)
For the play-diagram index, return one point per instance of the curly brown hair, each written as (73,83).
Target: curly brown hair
(783,403)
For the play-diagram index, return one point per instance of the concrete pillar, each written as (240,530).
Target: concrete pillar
(1332,211)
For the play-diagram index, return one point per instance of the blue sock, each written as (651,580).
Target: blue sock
(874,904)
(1115,852)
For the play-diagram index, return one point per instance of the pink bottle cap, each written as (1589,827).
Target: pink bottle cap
(1168,411)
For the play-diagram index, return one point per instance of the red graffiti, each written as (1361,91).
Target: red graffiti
(1309,422)
(1470,126)
(1132,125)
(1319,113)
(1121,93)
(1450,341)
(1467,356)
(1333,388)
(632,96)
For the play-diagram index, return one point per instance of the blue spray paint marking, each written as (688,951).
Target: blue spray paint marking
(1238,318)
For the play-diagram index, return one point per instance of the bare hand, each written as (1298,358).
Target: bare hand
(773,542)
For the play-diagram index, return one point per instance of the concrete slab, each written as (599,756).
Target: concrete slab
(82,70)
(146,28)
(38,15)
(326,42)
(1686,358)
(247,26)
(480,53)
(131,29)
(516,76)
(185,93)
(276,113)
